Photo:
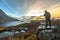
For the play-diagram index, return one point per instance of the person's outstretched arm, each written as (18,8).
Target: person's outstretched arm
(44,14)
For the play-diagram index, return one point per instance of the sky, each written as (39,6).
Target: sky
(18,8)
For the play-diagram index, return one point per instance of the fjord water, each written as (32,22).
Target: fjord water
(14,23)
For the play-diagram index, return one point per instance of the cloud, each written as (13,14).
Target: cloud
(42,5)
(55,10)
(7,3)
(24,6)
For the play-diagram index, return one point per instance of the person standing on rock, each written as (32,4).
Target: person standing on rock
(47,18)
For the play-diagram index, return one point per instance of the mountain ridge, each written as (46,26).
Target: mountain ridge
(5,18)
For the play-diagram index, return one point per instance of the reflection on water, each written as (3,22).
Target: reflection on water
(14,23)
(22,31)
(17,32)
(6,33)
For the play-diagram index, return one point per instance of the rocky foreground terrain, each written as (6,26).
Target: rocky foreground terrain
(31,33)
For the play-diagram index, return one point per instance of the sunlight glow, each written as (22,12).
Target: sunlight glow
(35,12)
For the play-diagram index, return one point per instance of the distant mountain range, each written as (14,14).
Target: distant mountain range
(5,18)
(31,18)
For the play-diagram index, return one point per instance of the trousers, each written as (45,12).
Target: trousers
(48,22)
